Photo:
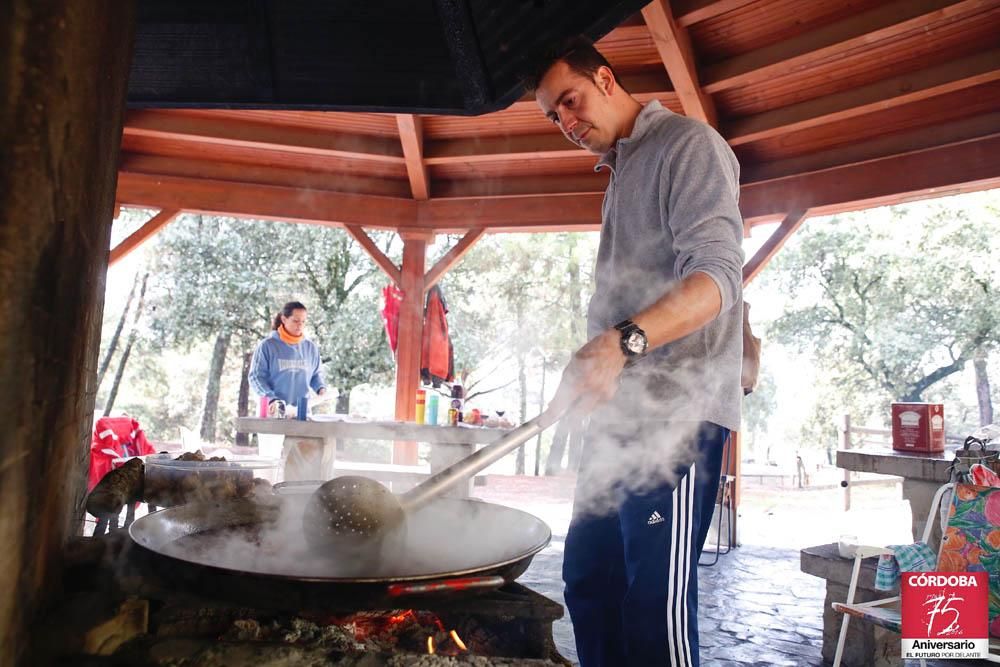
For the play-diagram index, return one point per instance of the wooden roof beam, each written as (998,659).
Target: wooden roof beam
(790,55)
(962,167)
(492,149)
(147,231)
(381,261)
(772,245)
(171,124)
(886,94)
(271,202)
(674,46)
(411,136)
(689,12)
(451,257)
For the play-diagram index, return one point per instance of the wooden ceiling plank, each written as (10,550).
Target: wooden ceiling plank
(674,46)
(896,91)
(411,136)
(793,54)
(451,258)
(231,132)
(149,229)
(897,143)
(264,201)
(772,245)
(383,262)
(512,147)
(521,185)
(964,166)
(689,12)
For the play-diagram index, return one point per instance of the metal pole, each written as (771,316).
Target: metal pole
(845,443)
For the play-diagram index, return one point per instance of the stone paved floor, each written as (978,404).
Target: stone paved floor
(757,607)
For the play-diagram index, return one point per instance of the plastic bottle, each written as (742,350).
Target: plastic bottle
(431,416)
(421,405)
(457,396)
(262,413)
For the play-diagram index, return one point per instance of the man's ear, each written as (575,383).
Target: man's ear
(605,79)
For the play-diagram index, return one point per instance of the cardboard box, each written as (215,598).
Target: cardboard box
(918,427)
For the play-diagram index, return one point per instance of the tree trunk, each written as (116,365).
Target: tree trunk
(983,388)
(553,464)
(210,409)
(123,362)
(522,383)
(243,401)
(62,100)
(113,344)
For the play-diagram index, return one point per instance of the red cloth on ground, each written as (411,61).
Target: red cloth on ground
(114,437)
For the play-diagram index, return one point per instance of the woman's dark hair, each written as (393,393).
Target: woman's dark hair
(577,52)
(287,311)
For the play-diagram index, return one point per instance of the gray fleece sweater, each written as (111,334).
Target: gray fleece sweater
(671,210)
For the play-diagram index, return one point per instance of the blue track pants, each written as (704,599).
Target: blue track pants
(632,575)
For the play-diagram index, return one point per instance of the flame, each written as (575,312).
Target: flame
(458,641)
(430,644)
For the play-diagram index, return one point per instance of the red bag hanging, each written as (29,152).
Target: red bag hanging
(392,296)
(436,355)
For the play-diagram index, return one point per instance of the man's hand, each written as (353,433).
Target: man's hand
(591,377)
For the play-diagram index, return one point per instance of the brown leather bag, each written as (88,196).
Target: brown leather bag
(751,354)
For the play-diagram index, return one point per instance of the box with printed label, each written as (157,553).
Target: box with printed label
(918,427)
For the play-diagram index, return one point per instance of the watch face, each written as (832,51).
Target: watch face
(636,342)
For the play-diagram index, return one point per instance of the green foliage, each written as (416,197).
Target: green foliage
(890,303)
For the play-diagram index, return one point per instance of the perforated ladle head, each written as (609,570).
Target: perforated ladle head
(351,510)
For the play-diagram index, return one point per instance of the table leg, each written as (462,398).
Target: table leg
(442,457)
(920,494)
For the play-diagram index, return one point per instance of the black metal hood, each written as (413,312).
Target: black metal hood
(401,56)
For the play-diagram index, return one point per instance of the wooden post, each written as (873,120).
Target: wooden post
(845,443)
(62,101)
(411,326)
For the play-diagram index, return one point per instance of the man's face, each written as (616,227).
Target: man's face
(295,324)
(580,107)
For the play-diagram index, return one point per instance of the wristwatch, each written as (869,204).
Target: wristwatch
(633,340)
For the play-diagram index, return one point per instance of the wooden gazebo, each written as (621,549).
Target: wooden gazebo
(829,105)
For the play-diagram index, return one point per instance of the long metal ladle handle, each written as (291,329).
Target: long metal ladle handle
(462,470)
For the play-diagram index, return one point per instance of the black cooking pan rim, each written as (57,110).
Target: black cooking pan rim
(494,567)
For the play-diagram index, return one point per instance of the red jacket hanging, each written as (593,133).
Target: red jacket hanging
(437,357)
(114,437)
(392,296)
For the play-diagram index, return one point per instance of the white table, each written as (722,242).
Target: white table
(448,443)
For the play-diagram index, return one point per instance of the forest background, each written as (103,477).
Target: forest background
(855,312)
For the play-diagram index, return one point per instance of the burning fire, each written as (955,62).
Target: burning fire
(404,627)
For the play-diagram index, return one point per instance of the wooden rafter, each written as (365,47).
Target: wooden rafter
(265,201)
(231,132)
(794,53)
(963,167)
(411,136)
(896,91)
(674,46)
(141,235)
(451,257)
(772,245)
(895,144)
(972,165)
(689,12)
(383,262)
(551,145)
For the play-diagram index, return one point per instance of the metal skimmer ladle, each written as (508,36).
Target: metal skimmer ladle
(352,510)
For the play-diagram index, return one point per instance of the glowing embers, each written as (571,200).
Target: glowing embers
(402,631)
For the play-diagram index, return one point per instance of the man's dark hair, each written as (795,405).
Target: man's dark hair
(577,52)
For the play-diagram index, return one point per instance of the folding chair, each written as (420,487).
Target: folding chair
(885,612)
(724,506)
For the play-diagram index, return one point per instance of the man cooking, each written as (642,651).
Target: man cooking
(660,375)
